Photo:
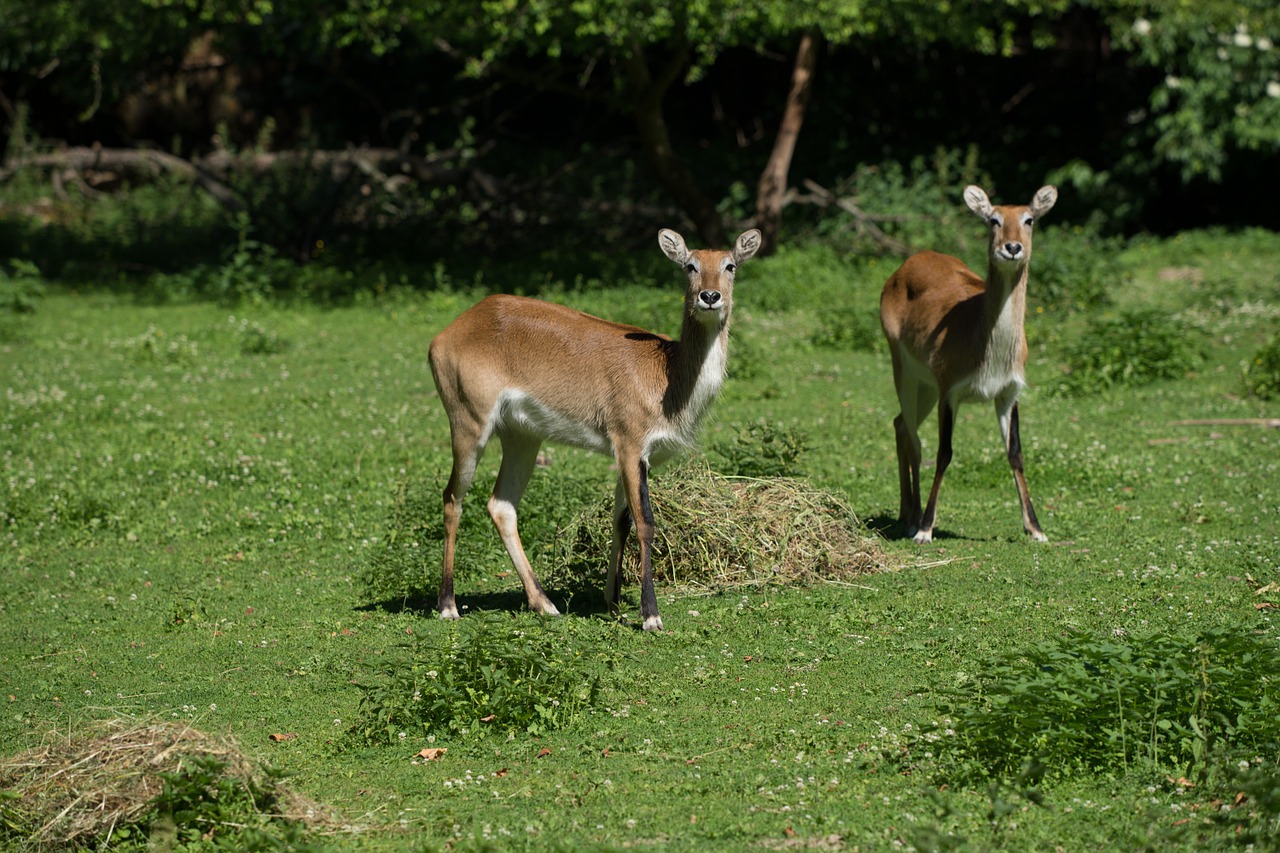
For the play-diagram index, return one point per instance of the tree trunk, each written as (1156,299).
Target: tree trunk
(655,138)
(772,189)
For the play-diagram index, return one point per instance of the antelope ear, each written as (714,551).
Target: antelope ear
(1045,198)
(978,201)
(672,245)
(748,244)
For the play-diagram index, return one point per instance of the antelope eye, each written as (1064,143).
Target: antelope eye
(730,268)
(1029,221)
(690,268)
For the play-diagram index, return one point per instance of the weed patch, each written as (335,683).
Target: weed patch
(155,346)
(1262,372)
(1170,705)
(487,674)
(763,449)
(21,287)
(1136,348)
(849,328)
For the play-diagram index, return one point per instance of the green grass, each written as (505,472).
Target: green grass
(193,497)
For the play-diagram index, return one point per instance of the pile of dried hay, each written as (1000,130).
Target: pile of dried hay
(77,790)
(719,532)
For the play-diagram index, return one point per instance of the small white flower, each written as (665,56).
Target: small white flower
(1142,27)
(1273,88)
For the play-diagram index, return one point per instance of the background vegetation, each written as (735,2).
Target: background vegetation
(519,126)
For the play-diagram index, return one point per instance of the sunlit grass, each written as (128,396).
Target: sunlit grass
(192,498)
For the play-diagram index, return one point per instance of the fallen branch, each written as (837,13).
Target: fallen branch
(1269,423)
(864,223)
(389,167)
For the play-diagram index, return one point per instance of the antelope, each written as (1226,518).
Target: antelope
(955,337)
(529,371)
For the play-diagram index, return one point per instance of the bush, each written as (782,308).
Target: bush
(917,207)
(1135,348)
(763,449)
(21,287)
(1075,270)
(849,328)
(1262,372)
(1181,706)
(488,674)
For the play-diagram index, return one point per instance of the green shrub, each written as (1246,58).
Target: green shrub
(1075,270)
(256,339)
(748,357)
(156,346)
(909,208)
(849,328)
(810,275)
(762,449)
(1262,372)
(204,804)
(1135,348)
(21,287)
(1173,705)
(488,674)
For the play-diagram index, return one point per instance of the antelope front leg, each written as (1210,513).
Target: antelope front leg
(946,426)
(635,477)
(1013,443)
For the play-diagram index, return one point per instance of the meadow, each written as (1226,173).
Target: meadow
(221,514)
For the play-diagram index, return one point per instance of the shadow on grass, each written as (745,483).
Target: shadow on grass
(582,601)
(893,530)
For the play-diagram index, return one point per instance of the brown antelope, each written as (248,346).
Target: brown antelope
(955,337)
(529,371)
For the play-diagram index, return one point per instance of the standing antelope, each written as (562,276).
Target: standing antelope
(530,371)
(953,338)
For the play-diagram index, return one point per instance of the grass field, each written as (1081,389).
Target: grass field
(207,519)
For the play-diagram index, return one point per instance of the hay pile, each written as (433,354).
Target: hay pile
(718,532)
(78,790)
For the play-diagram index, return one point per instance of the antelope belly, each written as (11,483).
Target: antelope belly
(516,411)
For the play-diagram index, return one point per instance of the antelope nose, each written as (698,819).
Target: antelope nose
(710,298)
(1013,249)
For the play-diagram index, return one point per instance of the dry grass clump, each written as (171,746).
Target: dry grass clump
(78,790)
(720,532)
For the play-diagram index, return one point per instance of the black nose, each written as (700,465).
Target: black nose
(1013,249)
(711,298)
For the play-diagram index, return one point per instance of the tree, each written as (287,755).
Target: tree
(772,189)
(1220,85)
